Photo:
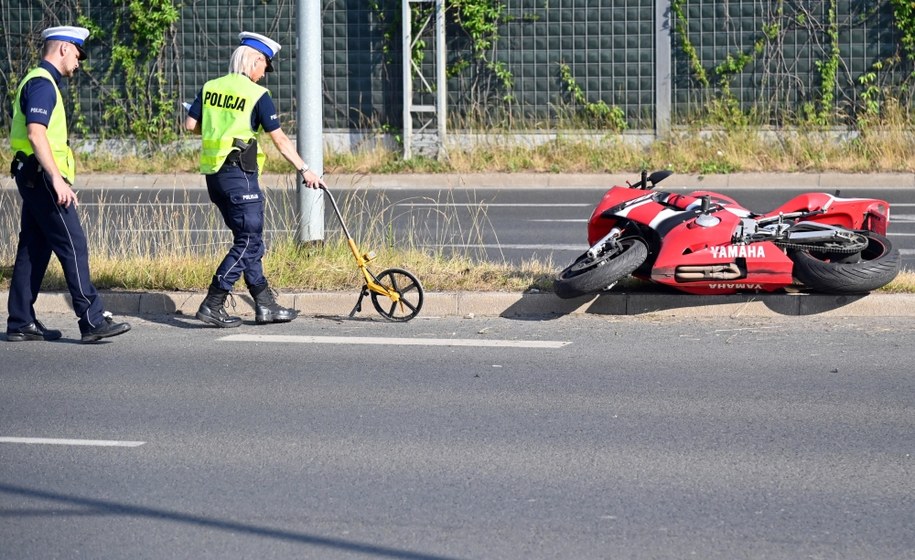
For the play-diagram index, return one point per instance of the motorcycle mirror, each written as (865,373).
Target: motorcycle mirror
(657,177)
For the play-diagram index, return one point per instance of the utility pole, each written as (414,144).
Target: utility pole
(663,36)
(310,117)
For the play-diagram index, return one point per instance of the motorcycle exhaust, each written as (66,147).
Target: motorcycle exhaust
(693,273)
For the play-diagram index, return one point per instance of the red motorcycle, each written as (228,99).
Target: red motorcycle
(706,243)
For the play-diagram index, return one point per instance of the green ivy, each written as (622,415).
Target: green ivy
(725,108)
(143,105)
(695,63)
(599,114)
(904,18)
(873,95)
(390,26)
(829,70)
(480,20)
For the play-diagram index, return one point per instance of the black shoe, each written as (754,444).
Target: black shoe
(32,331)
(107,329)
(213,309)
(266,309)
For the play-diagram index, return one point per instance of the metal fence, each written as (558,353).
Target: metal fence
(768,57)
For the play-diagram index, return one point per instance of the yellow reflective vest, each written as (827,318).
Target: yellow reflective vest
(227,105)
(57,129)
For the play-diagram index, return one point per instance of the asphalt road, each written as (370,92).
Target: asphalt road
(513,225)
(575,438)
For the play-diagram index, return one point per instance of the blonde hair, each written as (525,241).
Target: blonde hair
(243,60)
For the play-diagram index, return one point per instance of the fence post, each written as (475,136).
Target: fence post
(662,76)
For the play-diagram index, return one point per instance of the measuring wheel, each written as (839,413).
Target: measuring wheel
(407,286)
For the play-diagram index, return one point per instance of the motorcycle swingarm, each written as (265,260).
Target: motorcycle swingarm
(814,232)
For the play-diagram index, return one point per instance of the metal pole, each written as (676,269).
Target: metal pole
(663,38)
(406,16)
(310,117)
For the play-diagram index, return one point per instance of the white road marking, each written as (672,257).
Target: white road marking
(304,339)
(90,442)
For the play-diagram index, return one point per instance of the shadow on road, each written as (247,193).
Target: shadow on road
(90,506)
(539,306)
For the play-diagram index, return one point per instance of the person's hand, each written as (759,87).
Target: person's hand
(311,180)
(65,194)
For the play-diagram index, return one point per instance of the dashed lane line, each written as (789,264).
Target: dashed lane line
(55,441)
(303,339)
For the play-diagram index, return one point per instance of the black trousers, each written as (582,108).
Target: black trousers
(238,196)
(47,228)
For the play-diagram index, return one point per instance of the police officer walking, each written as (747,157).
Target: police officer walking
(44,169)
(227,113)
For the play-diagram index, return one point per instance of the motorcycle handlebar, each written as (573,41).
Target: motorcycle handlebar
(647,182)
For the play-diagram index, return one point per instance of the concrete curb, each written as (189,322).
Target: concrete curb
(519,306)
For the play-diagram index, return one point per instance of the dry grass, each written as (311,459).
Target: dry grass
(292,267)
(884,145)
(903,284)
(152,248)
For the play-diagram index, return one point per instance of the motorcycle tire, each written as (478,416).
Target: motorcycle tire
(877,266)
(586,275)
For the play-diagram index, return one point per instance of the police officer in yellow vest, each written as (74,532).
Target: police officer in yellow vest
(227,113)
(45,172)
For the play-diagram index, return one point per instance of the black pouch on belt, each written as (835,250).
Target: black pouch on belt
(26,167)
(247,154)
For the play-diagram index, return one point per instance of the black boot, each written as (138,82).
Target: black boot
(266,309)
(213,309)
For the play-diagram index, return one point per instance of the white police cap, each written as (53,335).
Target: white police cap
(264,45)
(74,35)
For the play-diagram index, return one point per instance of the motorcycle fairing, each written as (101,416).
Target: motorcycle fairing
(645,209)
(703,260)
(614,200)
(851,213)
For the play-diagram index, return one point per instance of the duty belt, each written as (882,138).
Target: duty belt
(27,165)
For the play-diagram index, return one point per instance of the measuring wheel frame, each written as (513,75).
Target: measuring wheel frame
(397,294)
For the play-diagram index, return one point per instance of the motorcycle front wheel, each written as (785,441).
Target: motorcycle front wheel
(588,275)
(874,267)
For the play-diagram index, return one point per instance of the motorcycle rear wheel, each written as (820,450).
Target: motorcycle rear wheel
(587,275)
(876,266)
